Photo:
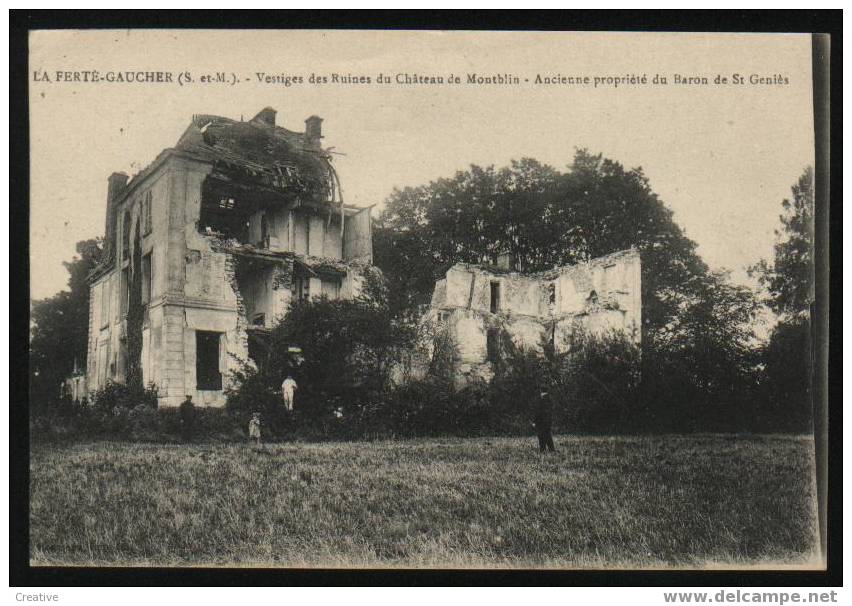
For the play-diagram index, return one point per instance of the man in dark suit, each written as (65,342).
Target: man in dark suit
(187,418)
(544,422)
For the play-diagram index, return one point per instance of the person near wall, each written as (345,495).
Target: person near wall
(288,391)
(544,422)
(187,418)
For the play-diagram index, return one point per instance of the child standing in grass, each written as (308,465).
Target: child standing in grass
(254,428)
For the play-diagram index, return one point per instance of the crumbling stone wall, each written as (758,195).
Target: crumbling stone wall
(237,338)
(213,303)
(603,294)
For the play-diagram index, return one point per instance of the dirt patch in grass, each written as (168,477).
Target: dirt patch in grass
(666,501)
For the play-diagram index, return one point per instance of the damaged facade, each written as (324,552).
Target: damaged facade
(210,243)
(476,304)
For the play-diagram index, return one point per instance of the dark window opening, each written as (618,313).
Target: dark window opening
(125,291)
(146,213)
(146,279)
(302,288)
(223,216)
(551,293)
(258,349)
(259,320)
(495,297)
(492,344)
(125,236)
(207,374)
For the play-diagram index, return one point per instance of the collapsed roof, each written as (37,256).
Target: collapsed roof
(258,153)
(256,160)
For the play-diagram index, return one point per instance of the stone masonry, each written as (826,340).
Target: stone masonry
(236,220)
(474,303)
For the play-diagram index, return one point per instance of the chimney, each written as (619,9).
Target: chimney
(313,130)
(266,116)
(506,261)
(115,184)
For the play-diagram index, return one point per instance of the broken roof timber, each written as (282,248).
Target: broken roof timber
(315,266)
(245,250)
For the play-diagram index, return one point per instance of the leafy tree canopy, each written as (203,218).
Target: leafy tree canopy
(347,350)
(545,218)
(59,324)
(790,277)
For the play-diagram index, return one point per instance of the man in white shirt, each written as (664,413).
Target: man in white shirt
(288,390)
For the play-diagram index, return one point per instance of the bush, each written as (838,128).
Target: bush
(211,425)
(118,395)
(142,422)
(786,402)
(254,390)
(594,384)
(599,383)
(349,351)
(419,408)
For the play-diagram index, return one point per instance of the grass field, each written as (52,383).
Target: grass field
(671,501)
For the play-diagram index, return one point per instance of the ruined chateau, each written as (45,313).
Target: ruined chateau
(206,247)
(476,303)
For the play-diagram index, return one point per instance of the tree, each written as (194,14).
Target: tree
(789,281)
(695,320)
(88,257)
(700,370)
(790,278)
(545,218)
(609,209)
(348,353)
(786,399)
(471,217)
(59,326)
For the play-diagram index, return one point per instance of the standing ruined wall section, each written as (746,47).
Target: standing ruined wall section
(477,304)
(357,242)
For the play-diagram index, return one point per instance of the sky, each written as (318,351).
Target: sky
(722,157)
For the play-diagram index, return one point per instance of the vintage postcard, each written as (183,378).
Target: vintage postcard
(422,299)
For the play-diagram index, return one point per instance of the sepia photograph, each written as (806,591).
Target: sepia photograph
(398,299)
